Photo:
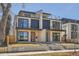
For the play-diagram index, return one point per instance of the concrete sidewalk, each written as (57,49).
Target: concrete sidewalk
(39,52)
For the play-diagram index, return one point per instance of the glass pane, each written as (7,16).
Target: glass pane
(46,24)
(74,27)
(23,36)
(35,24)
(73,35)
(56,37)
(56,25)
(23,23)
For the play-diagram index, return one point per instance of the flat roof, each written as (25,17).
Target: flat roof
(67,20)
(33,12)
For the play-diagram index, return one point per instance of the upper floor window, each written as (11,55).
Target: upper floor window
(35,24)
(74,27)
(23,23)
(56,25)
(46,24)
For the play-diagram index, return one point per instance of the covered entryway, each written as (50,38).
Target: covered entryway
(33,36)
(47,36)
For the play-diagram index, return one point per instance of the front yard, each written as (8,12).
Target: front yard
(39,47)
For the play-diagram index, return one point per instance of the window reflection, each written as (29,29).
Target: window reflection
(23,23)
(35,24)
(23,36)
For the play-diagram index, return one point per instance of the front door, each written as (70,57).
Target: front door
(56,37)
(33,36)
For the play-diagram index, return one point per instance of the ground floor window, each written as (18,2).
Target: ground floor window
(23,36)
(56,37)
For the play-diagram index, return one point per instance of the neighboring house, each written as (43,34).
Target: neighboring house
(37,27)
(72,29)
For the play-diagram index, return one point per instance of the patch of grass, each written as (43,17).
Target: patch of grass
(19,45)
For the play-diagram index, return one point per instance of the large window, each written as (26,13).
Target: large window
(46,24)
(56,37)
(35,24)
(23,36)
(73,35)
(73,31)
(74,27)
(23,23)
(56,25)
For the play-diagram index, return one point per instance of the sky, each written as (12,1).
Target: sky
(62,10)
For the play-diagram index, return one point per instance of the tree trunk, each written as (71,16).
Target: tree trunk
(3,23)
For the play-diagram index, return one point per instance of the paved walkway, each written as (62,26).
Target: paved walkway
(39,52)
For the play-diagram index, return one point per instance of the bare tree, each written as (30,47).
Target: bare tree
(4,21)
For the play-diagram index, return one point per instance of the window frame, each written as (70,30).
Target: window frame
(33,25)
(56,25)
(45,25)
(23,23)
(24,37)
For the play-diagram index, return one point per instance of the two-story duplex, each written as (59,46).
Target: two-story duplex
(37,27)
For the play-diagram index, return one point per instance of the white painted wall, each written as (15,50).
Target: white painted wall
(67,28)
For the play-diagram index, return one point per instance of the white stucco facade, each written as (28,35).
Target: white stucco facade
(67,27)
